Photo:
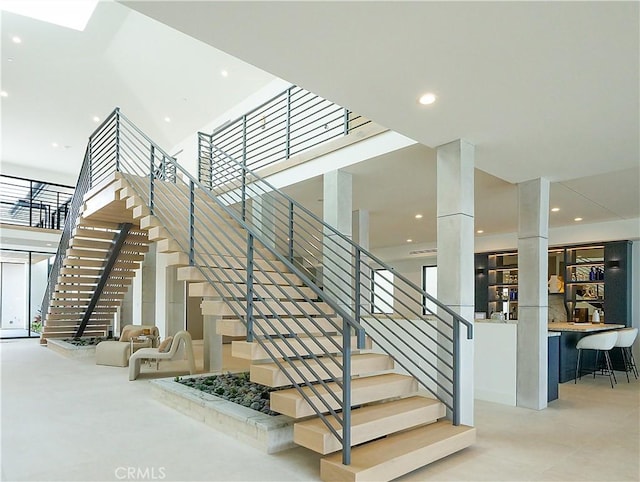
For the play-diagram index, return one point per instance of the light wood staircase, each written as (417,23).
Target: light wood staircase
(395,427)
(99,222)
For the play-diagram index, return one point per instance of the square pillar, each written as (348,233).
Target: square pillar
(455,197)
(533,301)
(336,253)
(263,218)
(212,341)
(148,314)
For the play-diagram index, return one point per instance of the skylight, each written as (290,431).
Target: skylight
(73,14)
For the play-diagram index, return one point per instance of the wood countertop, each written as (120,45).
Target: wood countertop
(582,327)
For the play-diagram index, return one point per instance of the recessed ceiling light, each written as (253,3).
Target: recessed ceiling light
(54,144)
(555,210)
(577,219)
(479,231)
(16,40)
(167,119)
(9,59)
(418,216)
(224,73)
(409,240)
(49,244)
(96,118)
(427,98)
(4,94)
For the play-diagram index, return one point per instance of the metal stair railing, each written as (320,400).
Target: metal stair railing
(273,291)
(288,124)
(297,332)
(27,202)
(99,153)
(426,346)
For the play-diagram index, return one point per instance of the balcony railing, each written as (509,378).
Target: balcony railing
(290,123)
(35,204)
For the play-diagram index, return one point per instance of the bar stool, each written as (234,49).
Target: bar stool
(626,337)
(600,342)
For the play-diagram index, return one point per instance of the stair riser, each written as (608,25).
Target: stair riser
(237,328)
(266,374)
(267,308)
(231,291)
(253,351)
(366,394)
(326,443)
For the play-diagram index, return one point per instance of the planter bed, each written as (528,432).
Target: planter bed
(268,433)
(70,351)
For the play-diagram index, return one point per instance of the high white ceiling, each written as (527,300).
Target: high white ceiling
(58,79)
(542,89)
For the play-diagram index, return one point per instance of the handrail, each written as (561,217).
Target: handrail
(238,185)
(255,178)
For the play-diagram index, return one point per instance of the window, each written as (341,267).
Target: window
(382,291)
(430,285)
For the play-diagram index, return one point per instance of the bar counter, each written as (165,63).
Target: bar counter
(582,327)
(570,333)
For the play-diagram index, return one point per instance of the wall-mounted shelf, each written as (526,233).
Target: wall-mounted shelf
(499,271)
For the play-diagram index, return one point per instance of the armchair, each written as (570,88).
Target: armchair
(117,352)
(182,337)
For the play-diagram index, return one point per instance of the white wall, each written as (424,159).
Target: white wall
(28,172)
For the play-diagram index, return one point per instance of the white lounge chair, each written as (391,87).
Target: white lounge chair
(155,354)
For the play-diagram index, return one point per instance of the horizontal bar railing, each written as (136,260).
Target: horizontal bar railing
(290,123)
(31,203)
(300,288)
(93,171)
(427,346)
(276,302)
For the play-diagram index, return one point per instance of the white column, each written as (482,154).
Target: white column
(360,228)
(337,255)
(455,173)
(361,237)
(148,313)
(533,248)
(170,298)
(136,301)
(263,217)
(212,342)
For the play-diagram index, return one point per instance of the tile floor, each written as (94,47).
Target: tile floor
(71,420)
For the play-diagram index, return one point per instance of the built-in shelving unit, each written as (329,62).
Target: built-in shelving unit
(584,274)
(584,278)
(502,271)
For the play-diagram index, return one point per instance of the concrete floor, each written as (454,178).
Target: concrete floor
(71,420)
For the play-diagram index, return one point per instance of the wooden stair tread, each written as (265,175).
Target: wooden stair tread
(271,375)
(235,327)
(398,454)
(363,390)
(369,423)
(302,345)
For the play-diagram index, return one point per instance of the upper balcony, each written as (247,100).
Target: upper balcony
(33,204)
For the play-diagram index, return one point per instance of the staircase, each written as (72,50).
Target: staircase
(86,268)
(375,394)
